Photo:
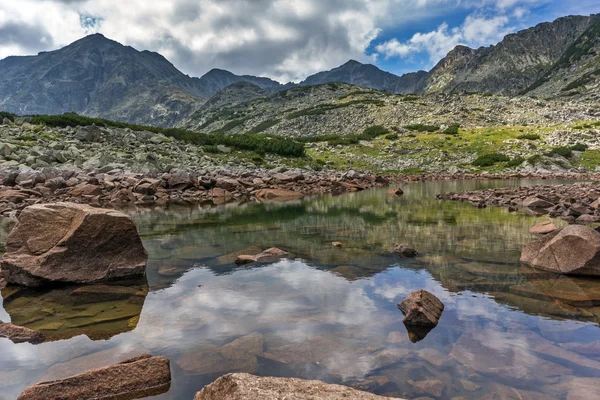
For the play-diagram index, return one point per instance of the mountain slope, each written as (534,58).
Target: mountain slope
(369,76)
(99,77)
(511,66)
(96,76)
(577,72)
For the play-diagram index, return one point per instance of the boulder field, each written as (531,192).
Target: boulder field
(76,243)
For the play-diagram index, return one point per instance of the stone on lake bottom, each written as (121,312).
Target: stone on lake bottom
(278,195)
(421,308)
(67,242)
(250,387)
(136,378)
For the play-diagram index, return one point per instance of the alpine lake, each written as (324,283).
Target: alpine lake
(327,313)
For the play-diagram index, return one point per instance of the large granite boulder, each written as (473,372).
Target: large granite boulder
(66,242)
(136,378)
(250,387)
(574,250)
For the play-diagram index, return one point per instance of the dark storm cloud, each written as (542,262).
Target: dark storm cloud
(25,36)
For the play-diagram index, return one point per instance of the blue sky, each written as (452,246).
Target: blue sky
(282,39)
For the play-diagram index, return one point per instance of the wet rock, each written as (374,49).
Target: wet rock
(136,378)
(536,202)
(249,387)
(231,257)
(277,195)
(587,219)
(271,255)
(67,242)
(405,250)
(19,334)
(573,250)
(101,293)
(336,244)
(543,228)
(245,259)
(421,308)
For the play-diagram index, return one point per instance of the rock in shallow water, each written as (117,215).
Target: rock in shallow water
(250,387)
(405,250)
(421,308)
(66,242)
(19,334)
(574,250)
(131,379)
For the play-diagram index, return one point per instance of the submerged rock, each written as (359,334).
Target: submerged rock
(396,192)
(19,334)
(405,250)
(136,378)
(66,242)
(250,387)
(573,250)
(421,308)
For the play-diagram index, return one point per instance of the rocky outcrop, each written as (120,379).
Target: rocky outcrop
(421,308)
(66,242)
(574,250)
(250,387)
(19,334)
(136,378)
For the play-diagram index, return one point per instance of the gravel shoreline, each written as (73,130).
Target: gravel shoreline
(119,189)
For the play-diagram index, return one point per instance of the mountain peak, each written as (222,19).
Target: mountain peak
(351,63)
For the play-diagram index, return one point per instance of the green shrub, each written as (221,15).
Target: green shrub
(372,132)
(529,136)
(259,143)
(562,151)
(487,160)
(263,126)
(210,149)
(579,147)
(8,115)
(257,158)
(534,159)
(392,136)
(452,129)
(515,162)
(422,128)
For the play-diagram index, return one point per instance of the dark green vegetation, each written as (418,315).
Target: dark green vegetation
(452,129)
(8,115)
(422,128)
(260,144)
(323,108)
(567,151)
(487,160)
(529,136)
(264,126)
(515,162)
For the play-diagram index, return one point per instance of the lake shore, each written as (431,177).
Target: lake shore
(119,188)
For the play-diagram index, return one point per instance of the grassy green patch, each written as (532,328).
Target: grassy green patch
(590,159)
(515,162)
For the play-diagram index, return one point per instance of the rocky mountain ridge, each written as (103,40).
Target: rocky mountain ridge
(98,77)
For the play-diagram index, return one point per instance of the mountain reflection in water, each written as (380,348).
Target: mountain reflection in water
(330,313)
